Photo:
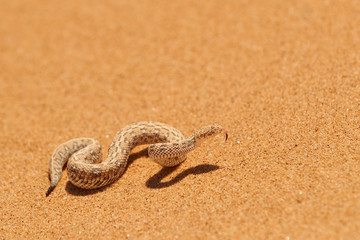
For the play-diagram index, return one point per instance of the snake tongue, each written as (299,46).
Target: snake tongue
(226,134)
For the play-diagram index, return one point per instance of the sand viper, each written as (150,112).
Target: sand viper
(83,155)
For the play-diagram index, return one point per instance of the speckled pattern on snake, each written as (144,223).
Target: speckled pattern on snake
(83,155)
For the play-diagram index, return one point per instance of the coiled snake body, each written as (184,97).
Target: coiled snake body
(83,155)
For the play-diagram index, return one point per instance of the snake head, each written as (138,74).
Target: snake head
(209,131)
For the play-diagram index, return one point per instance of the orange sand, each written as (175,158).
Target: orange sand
(283,77)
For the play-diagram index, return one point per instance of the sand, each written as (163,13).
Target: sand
(283,77)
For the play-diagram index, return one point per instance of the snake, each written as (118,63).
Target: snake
(82,156)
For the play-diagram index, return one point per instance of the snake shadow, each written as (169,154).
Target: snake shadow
(154,182)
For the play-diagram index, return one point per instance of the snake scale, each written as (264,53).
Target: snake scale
(83,155)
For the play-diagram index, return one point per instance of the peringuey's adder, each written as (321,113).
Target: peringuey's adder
(83,155)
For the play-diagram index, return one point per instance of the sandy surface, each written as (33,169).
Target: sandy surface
(283,77)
